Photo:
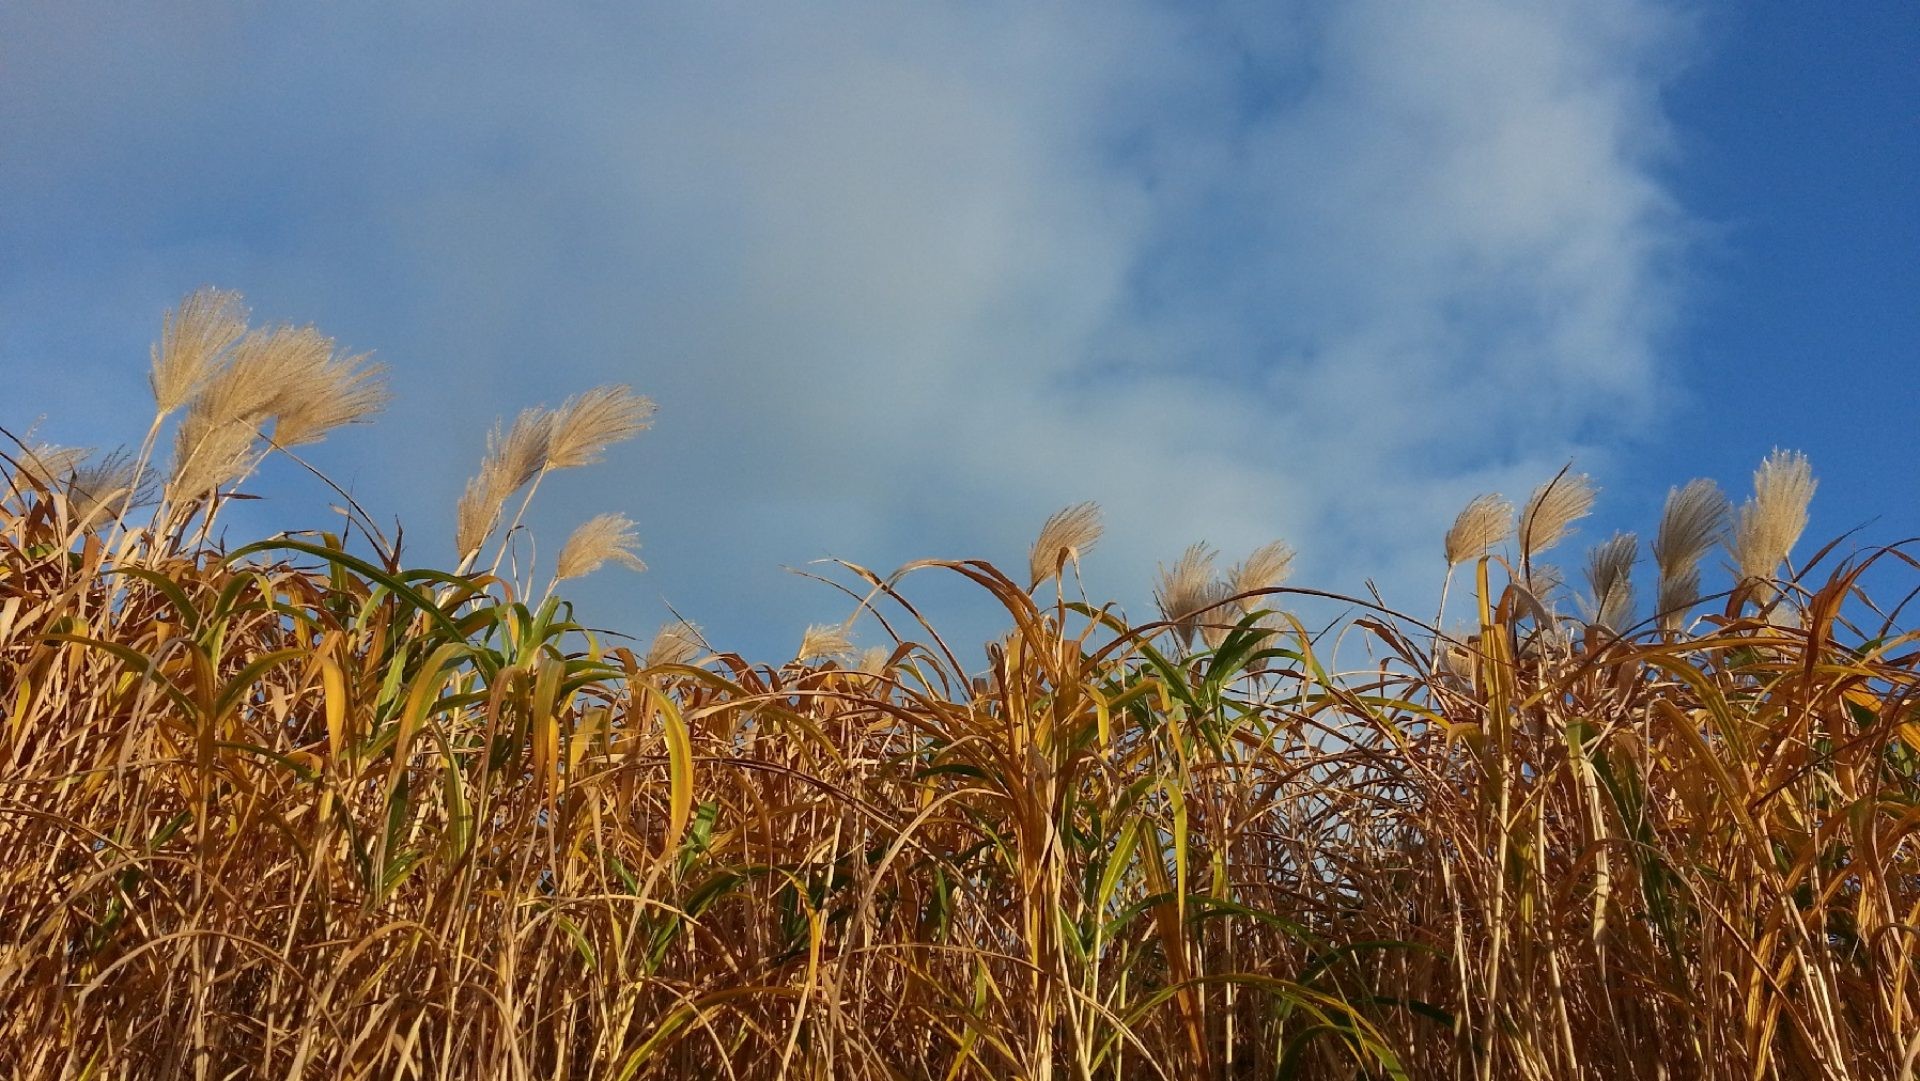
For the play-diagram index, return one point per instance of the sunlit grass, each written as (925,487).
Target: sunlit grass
(302,810)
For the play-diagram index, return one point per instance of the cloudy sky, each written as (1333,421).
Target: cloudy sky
(904,278)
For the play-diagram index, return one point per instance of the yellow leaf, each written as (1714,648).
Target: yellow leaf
(679,769)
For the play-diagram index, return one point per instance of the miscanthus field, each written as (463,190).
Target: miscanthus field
(296,807)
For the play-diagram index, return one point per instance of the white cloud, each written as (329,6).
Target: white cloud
(907,278)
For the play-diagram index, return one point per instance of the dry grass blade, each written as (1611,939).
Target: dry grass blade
(598,540)
(1484,522)
(193,338)
(1066,537)
(587,424)
(1549,515)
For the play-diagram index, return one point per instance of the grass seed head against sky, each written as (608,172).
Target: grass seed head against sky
(905,279)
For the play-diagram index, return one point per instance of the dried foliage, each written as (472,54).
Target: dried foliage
(287,811)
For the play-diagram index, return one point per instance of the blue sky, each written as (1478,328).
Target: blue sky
(906,278)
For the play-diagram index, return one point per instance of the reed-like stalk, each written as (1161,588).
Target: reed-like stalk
(292,811)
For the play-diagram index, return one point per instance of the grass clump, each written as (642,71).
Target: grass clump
(301,810)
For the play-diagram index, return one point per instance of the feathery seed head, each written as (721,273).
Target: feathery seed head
(1692,522)
(873,660)
(524,451)
(48,465)
(1215,619)
(209,455)
(1485,521)
(1266,568)
(1067,536)
(1679,590)
(1769,524)
(514,457)
(825,642)
(214,444)
(341,390)
(265,369)
(192,339)
(1609,575)
(477,512)
(586,424)
(1187,589)
(97,487)
(599,539)
(1549,515)
(678,642)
